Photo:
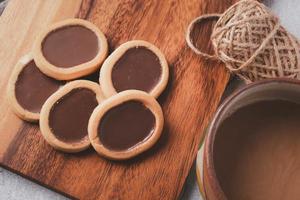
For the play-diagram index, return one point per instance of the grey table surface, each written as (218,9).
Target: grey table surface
(14,187)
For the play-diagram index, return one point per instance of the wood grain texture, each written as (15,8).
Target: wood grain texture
(19,25)
(193,93)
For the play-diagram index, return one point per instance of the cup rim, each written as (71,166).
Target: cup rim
(212,130)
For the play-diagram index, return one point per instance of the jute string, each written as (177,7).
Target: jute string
(249,39)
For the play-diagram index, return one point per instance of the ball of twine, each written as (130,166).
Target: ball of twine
(249,39)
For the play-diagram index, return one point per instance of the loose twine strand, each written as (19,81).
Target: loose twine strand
(191,26)
(249,39)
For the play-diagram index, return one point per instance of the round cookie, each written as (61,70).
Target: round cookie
(126,125)
(70,49)
(137,65)
(64,116)
(29,88)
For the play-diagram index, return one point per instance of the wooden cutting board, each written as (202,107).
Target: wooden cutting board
(192,96)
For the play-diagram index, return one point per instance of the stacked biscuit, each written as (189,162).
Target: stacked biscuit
(120,117)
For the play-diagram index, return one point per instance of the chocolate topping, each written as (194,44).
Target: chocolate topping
(256,152)
(138,68)
(70,46)
(33,88)
(68,118)
(126,125)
